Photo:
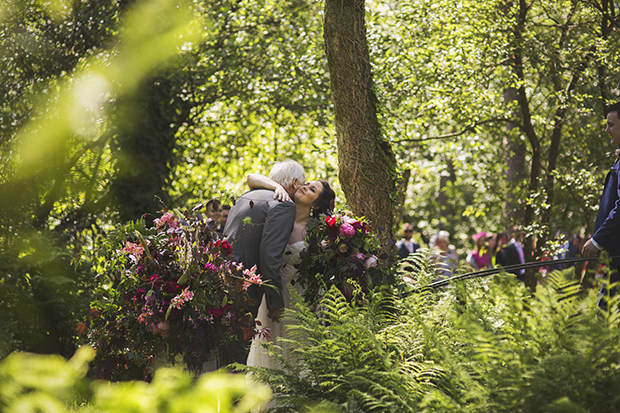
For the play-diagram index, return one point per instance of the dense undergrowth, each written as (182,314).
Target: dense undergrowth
(481,345)
(484,345)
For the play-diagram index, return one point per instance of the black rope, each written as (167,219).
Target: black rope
(508,268)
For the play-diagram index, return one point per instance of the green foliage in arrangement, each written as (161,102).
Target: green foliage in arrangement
(485,345)
(31,383)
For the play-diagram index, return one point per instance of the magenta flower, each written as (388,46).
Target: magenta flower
(210,267)
(155,281)
(139,295)
(347,230)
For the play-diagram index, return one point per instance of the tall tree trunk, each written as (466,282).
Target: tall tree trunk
(402,195)
(559,117)
(530,133)
(514,211)
(145,147)
(446,181)
(366,162)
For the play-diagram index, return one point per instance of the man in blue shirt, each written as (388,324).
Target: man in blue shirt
(607,227)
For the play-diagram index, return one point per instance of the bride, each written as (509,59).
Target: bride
(311,200)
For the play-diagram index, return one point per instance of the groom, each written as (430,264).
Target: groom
(259,228)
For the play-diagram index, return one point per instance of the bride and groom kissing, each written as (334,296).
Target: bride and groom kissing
(267,228)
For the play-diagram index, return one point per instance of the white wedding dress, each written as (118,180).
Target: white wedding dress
(258,355)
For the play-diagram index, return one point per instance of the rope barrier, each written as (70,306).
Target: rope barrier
(508,268)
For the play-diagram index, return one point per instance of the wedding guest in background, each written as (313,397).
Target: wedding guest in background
(574,246)
(446,259)
(406,245)
(570,249)
(212,210)
(223,218)
(508,254)
(480,257)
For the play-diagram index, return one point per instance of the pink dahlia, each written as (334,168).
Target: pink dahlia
(347,230)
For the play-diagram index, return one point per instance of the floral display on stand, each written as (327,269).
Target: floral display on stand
(172,290)
(343,251)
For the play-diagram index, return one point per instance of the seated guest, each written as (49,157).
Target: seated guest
(446,259)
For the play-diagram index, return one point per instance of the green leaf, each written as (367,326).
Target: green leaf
(184,279)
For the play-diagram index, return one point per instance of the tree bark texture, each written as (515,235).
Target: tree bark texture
(366,162)
(402,195)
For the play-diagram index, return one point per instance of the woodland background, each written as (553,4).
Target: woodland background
(490,115)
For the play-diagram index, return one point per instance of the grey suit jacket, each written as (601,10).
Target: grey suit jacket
(261,240)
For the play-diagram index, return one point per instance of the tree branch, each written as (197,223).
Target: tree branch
(460,133)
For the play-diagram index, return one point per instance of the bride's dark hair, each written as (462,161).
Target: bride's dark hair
(325,202)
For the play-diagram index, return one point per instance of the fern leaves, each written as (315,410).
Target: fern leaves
(484,345)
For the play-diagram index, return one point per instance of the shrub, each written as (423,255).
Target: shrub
(30,383)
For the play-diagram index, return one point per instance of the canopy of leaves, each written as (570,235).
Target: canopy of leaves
(444,71)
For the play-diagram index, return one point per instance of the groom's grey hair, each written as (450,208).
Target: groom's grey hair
(286,171)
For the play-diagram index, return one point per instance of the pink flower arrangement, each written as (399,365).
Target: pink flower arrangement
(341,249)
(371,262)
(167,218)
(135,251)
(179,286)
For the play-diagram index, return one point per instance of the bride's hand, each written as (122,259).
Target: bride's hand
(280,194)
